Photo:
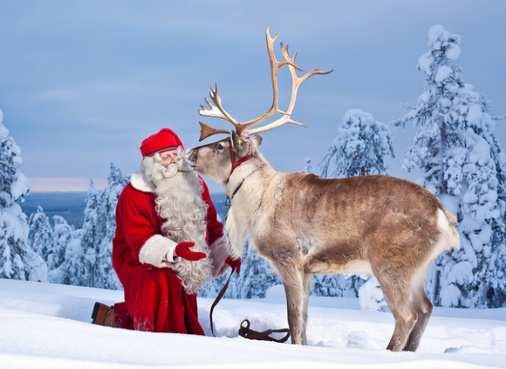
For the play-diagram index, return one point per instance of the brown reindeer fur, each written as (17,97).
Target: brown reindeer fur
(304,224)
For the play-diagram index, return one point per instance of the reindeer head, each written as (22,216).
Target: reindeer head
(219,159)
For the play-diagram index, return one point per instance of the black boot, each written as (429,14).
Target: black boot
(103,315)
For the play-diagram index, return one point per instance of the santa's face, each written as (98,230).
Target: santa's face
(176,186)
(166,164)
(169,156)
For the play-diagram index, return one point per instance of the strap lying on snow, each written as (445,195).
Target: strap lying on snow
(245,330)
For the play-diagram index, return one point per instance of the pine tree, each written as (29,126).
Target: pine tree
(40,235)
(255,278)
(84,257)
(105,277)
(361,147)
(371,296)
(460,161)
(56,256)
(335,285)
(17,259)
(73,270)
(89,237)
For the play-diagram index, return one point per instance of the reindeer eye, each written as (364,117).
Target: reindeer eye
(219,146)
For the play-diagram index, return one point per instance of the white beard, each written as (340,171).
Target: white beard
(178,198)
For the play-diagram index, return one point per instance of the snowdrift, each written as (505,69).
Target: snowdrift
(47,326)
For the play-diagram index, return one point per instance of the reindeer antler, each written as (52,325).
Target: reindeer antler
(214,108)
(296,83)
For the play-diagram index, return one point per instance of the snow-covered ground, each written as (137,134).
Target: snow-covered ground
(47,326)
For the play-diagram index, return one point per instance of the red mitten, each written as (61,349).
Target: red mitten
(183,250)
(235,264)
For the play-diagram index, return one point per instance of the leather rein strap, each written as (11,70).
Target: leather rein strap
(245,330)
(218,299)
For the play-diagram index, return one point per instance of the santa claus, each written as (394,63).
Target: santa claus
(168,242)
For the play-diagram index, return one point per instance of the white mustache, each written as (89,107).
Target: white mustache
(170,170)
(182,165)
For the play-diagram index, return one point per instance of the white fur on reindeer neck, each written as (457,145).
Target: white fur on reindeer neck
(178,197)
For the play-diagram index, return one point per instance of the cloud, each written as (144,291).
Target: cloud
(64,184)
(88,80)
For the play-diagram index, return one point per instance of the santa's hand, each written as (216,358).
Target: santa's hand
(235,264)
(183,250)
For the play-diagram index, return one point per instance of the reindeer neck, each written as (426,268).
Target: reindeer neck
(255,171)
(255,176)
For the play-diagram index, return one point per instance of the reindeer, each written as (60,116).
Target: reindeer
(303,224)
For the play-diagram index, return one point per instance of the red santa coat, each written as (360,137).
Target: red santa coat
(155,299)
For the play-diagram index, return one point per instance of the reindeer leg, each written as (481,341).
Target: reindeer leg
(294,290)
(307,291)
(424,310)
(398,297)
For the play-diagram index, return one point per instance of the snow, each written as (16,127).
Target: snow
(46,326)
(474,115)
(424,64)
(443,73)
(4,132)
(461,272)
(20,186)
(453,52)
(436,33)
(371,296)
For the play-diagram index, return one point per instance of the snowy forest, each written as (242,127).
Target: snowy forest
(454,153)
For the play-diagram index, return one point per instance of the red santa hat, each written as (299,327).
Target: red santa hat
(161,140)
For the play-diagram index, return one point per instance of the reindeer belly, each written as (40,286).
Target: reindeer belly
(344,257)
(329,267)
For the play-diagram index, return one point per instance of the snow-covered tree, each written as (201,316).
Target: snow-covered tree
(40,234)
(89,237)
(361,146)
(371,296)
(255,278)
(56,256)
(73,269)
(104,275)
(84,257)
(460,160)
(335,285)
(17,259)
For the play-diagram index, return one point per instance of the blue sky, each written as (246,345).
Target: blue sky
(84,81)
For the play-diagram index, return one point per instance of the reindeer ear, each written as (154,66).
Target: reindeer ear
(258,139)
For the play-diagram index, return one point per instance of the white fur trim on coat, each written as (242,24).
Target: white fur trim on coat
(157,251)
(220,250)
(139,182)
